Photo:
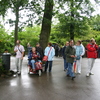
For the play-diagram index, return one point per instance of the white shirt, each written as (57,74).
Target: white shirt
(18,53)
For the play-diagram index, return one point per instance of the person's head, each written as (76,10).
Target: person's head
(6,51)
(71,42)
(92,41)
(18,42)
(28,45)
(79,42)
(49,44)
(33,49)
(67,43)
(37,44)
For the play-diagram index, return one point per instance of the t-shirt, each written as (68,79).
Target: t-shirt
(20,49)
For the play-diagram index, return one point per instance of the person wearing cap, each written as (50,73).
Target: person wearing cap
(92,48)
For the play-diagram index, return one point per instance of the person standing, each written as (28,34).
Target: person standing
(64,56)
(70,56)
(92,48)
(50,52)
(19,50)
(40,50)
(79,54)
(56,50)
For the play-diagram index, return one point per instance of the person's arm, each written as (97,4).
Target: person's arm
(90,48)
(15,49)
(53,52)
(23,51)
(83,50)
(45,51)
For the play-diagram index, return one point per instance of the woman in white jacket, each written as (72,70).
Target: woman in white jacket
(79,53)
(50,52)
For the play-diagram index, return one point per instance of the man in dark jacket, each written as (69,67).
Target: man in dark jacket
(64,56)
(40,50)
(70,55)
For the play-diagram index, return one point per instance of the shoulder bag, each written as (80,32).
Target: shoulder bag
(45,58)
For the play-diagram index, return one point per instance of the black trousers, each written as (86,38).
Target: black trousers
(48,64)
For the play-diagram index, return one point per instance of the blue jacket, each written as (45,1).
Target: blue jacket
(51,54)
(63,52)
(30,57)
(79,50)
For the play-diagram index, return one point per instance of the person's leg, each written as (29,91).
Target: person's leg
(79,65)
(20,64)
(16,64)
(70,70)
(46,66)
(65,63)
(92,64)
(89,66)
(50,66)
(33,64)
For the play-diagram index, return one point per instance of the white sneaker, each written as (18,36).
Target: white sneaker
(91,73)
(87,75)
(19,73)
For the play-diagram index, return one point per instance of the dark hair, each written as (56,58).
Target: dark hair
(6,49)
(79,41)
(37,43)
(70,41)
(50,44)
(18,40)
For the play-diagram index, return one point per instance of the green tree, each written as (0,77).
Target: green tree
(6,41)
(76,15)
(95,22)
(29,35)
(16,6)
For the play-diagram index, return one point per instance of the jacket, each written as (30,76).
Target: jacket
(79,50)
(68,52)
(63,52)
(92,50)
(41,52)
(36,57)
(51,54)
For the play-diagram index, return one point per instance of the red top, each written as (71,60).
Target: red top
(35,55)
(92,50)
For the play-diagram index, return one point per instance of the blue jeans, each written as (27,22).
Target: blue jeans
(33,64)
(70,70)
(48,63)
(65,64)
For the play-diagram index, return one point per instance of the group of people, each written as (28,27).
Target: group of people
(35,54)
(71,53)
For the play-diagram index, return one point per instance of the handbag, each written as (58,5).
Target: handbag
(14,54)
(38,65)
(78,58)
(45,58)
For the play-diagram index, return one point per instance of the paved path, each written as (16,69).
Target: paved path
(54,86)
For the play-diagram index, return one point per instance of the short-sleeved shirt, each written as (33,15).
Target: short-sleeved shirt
(19,52)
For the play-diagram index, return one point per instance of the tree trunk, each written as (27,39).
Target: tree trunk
(46,24)
(72,24)
(16,25)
